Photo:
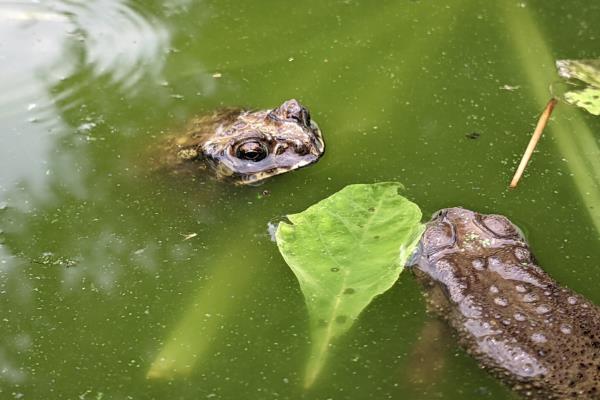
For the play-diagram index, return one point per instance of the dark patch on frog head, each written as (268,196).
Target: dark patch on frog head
(262,144)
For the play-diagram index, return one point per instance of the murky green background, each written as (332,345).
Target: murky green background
(98,276)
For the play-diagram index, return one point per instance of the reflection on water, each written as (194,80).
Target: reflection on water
(43,45)
(116,40)
(25,107)
(49,43)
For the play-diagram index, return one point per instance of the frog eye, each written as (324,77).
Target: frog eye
(499,226)
(438,236)
(251,151)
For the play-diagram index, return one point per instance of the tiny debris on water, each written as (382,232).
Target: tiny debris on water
(510,88)
(264,193)
(49,258)
(86,127)
(272,229)
(473,135)
(189,236)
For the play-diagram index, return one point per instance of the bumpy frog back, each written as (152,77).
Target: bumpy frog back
(539,337)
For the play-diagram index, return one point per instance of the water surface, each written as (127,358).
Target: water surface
(104,291)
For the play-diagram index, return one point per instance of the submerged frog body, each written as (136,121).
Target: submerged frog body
(539,337)
(245,146)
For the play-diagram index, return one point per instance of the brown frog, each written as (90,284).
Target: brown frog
(245,146)
(537,336)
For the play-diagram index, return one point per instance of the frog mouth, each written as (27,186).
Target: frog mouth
(260,177)
(257,173)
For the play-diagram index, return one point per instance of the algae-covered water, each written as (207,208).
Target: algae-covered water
(121,282)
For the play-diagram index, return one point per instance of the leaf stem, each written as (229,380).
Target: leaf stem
(537,133)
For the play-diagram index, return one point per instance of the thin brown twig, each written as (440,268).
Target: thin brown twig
(539,128)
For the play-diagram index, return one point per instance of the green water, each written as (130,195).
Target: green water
(98,280)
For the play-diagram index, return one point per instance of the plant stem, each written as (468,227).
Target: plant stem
(539,128)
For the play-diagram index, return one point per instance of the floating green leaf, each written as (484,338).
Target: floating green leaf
(588,73)
(588,99)
(344,251)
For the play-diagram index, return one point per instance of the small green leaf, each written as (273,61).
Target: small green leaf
(587,72)
(344,251)
(588,99)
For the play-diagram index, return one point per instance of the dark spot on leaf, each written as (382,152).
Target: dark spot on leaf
(340,319)
(376,237)
(349,291)
(372,209)
(473,135)
(334,269)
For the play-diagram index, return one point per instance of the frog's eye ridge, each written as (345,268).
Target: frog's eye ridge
(499,226)
(291,110)
(439,235)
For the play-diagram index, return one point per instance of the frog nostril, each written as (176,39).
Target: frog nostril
(300,149)
(280,149)
(439,214)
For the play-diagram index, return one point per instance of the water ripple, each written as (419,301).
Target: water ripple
(116,40)
(50,45)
